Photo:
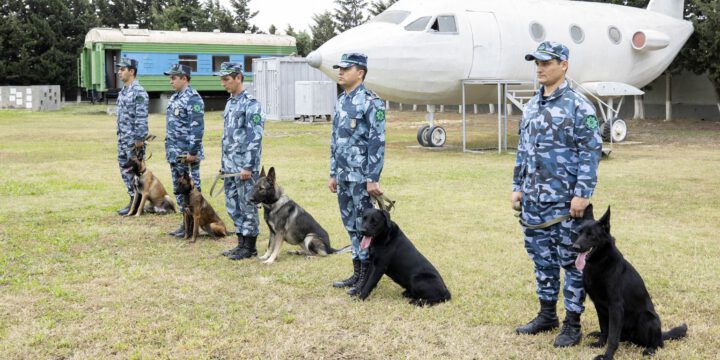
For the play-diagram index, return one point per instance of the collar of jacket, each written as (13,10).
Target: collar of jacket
(238,96)
(557,93)
(355,91)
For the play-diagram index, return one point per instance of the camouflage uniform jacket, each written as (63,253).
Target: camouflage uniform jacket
(185,125)
(357,143)
(132,113)
(242,134)
(559,147)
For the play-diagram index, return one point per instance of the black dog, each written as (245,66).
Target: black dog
(624,308)
(392,253)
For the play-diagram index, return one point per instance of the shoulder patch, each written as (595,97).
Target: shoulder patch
(591,122)
(380,115)
(197,108)
(256,118)
(139,99)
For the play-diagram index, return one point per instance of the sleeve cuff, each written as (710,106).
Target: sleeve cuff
(583,193)
(516,188)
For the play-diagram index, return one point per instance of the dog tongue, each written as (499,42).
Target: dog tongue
(580,260)
(365,243)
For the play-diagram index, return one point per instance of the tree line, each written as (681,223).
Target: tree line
(40,40)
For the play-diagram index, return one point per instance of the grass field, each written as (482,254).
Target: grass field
(79,282)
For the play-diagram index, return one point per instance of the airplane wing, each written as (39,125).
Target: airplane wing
(609,89)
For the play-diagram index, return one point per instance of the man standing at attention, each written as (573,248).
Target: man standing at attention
(554,177)
(185,126)
(357,153)
(241,148)
(132,122)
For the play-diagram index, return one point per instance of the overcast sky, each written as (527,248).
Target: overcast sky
(283,12)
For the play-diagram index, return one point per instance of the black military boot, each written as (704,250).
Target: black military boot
(247,251)
(570,334)
(241,243)
(124,211)
(179,232)
(545,320)
(362,277)
(352,279)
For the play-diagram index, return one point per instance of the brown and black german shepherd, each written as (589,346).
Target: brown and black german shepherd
(198,212)
(289,222)
(150,195)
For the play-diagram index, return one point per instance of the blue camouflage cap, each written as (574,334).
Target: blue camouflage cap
(178,69)
(351,59)
(228,68)
(548,50)
(127,62)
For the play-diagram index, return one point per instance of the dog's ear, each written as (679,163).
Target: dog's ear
(262,171)
(588,213)
(271,175)
(388,222)
(605,220)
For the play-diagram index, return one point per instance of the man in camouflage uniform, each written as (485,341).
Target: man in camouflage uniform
(132,122)
(241,148)
(185,127)
(357,153)
(555,175)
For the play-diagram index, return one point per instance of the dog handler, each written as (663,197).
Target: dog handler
(241,148)
(555,175)
(185,127)
(132,122)
(357,153)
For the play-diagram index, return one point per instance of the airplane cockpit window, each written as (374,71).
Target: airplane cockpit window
(418,25)
(392,16)
(444,24)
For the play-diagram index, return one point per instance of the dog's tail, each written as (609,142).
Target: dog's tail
(675,333)
(168,204)
(344,249)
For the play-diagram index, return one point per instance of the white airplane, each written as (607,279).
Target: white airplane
(421,51)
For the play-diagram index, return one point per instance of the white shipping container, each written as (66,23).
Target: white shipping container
(315,99)
(274,80)
(35,97)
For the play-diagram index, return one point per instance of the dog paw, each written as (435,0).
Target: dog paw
(648,352)
(597,344)
(267,262)
(595,334)
(599,357)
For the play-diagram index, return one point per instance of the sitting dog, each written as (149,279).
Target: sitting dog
(288,221)
(392,253)
(150,195)
(198,212)
(625,310)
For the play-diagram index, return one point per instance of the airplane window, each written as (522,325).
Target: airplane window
(615,35)
(418,25)
(577,34)
(444,24)
(537,32)
(392,16)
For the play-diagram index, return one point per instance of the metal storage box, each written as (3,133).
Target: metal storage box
(35,98)
(315,99)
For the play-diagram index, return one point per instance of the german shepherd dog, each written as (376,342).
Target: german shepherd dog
(150,195)
(198,212)
(624,308)
(288,221)
(392,254)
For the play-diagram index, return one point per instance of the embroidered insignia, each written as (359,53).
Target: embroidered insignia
(256,118)
(591,122)
(197,108)
(380,115)
(139,99)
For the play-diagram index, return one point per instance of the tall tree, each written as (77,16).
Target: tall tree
(323,29)
(218,17)
(349,14)
(272,29)
(377,7)
(303,42)
(243,15)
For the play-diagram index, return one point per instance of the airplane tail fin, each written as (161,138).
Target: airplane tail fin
(672,8)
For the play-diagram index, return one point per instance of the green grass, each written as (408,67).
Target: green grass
(79,282)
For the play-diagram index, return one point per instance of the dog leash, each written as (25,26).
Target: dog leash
(517,207)
(223,175)
(384,202)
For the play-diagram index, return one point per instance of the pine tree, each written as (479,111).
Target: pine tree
(349,14)
(243,15)
(303,42)
(323,29)
(272,29)
(377,7)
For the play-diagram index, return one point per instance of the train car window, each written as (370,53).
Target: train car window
(418,25)
(248,63)
(189,60)
(218,60)
(392,16)
(444,24)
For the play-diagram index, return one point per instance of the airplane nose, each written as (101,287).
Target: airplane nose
(314,59)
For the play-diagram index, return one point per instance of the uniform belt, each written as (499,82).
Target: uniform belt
(223,175)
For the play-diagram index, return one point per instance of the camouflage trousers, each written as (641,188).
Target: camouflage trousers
(124,152)
(242,211)
(353,199)
(176,170)
(551,248)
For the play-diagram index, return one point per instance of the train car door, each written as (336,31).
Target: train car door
(112,80)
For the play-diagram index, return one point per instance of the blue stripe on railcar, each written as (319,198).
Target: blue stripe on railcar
(157,63)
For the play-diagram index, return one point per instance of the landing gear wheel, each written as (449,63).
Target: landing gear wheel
(618,130)
(422,136)
(436,136)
